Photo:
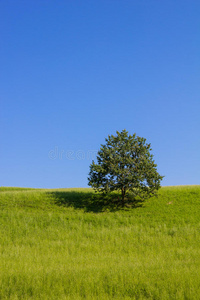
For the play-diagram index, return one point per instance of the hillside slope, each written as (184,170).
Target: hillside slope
(60,244)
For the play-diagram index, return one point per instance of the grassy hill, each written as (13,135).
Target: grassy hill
(61,244)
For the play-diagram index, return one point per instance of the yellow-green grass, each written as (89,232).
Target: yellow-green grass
(60,244)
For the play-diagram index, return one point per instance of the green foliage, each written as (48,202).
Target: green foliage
(125,164)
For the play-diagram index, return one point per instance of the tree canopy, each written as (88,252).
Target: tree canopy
(125,164)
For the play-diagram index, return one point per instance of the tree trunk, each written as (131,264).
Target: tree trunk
(123,196)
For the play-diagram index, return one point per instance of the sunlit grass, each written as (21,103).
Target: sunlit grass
(55,244)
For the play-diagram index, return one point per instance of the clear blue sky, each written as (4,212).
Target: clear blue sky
(72,72)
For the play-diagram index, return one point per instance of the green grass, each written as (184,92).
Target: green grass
(61,244)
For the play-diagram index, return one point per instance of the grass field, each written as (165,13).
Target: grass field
(60,244)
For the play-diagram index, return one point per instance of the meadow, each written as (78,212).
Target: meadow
(60,244)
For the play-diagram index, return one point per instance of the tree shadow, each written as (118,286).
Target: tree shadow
(91,201)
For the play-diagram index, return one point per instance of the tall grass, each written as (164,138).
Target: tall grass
(57,244)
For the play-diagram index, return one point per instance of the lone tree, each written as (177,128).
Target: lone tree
(125,164)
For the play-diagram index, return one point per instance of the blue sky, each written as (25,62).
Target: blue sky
(72,72)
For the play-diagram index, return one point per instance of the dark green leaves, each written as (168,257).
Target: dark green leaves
(125,164)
